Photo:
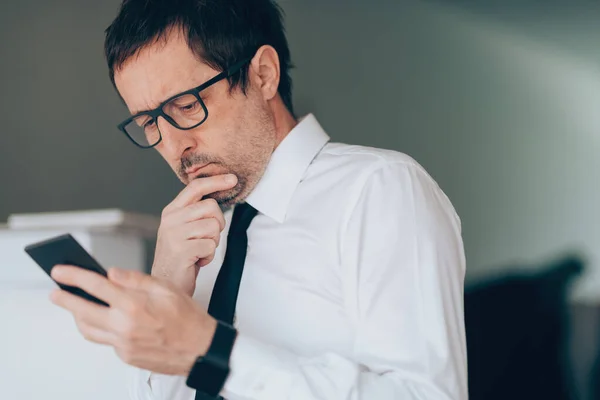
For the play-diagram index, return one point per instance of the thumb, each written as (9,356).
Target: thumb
(129,279)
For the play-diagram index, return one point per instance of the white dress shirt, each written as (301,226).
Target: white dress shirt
(352,286)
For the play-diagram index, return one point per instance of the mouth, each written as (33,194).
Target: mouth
(195,171)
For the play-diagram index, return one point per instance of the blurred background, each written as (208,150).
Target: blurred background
(498,100)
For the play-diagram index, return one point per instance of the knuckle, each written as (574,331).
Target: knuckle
(212,204)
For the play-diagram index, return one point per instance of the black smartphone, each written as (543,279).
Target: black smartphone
(66,250)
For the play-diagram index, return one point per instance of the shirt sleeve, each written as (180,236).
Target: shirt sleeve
(139,385)
(147,385)
(403,265)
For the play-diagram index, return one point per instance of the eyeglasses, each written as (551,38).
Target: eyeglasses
(184,111)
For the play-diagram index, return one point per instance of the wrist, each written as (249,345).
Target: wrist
(201,343)
(184,279)
(208,336)
(210,371)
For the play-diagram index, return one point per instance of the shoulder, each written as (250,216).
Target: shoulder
(359,177)
(363,154)
(357,165)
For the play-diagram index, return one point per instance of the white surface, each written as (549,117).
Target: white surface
(107,220)
(42,354)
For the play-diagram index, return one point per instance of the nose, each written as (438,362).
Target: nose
(175,141)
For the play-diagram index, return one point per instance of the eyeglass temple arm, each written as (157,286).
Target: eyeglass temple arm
(236,67)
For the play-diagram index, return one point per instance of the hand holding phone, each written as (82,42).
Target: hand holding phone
(65,250)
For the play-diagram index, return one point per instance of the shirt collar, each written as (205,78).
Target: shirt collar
(287,166)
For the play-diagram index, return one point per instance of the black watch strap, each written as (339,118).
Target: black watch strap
(210,371)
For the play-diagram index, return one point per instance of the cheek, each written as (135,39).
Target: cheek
(237,129)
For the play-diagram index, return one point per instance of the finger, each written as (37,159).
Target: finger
(96,314)
(197,249)
(199,188)
(204,209)
(91,282)
(94,334)
(204,262)
(131,279)
(202,248)
(208,208)
(189,253)
(203,229)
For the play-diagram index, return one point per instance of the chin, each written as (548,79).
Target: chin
(227,198)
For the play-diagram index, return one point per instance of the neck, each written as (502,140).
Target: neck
(284,121)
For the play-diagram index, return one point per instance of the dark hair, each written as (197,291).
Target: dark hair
(219,32)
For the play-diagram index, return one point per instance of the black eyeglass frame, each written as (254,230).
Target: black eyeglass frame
(158,111)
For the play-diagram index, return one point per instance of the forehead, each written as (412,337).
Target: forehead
(159,71)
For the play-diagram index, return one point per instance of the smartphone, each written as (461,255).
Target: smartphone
(65,250)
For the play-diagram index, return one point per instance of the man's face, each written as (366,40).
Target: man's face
(239,135)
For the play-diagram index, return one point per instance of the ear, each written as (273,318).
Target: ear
(264,71)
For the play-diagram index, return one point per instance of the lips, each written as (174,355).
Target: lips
(195,169)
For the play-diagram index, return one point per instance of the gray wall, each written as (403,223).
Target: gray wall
(59,148)
(500,112)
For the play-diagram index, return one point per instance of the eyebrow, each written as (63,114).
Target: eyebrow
(159,103)
(167,98)
(204,90)
(206,85)
(139,112)
(147,110)
(131,113)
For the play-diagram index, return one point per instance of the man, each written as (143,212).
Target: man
(352,257)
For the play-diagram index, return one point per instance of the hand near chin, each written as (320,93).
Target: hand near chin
(190,231)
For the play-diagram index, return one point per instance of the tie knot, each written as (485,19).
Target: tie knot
(242,217)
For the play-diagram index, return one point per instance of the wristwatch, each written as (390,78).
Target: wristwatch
(210,371)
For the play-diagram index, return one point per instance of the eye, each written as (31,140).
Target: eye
(189,107)
(149,124)
(144,121)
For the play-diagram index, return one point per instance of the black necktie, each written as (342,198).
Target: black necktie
(225,292)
